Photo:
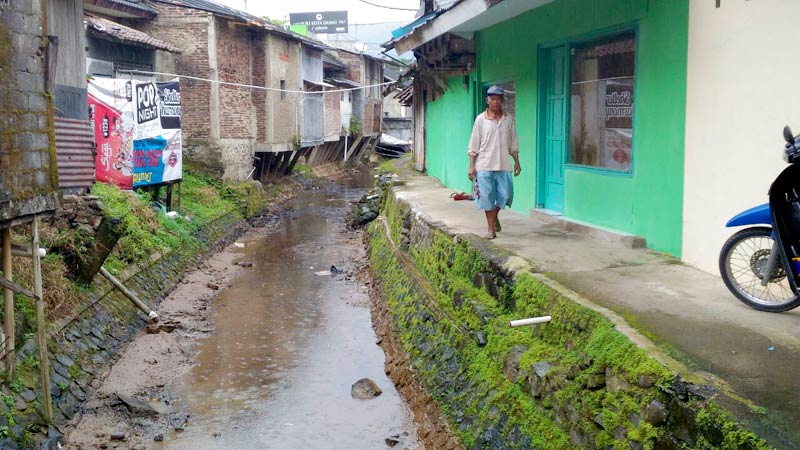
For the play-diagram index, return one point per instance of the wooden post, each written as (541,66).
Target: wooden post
(8,299)
(41,331)
(169,197)
(180,192)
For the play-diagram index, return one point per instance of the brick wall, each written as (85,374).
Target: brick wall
(28,172)
(259,97)
(187,29)
(233,66)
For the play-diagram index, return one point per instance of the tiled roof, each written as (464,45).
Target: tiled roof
(117,32)
(216,8)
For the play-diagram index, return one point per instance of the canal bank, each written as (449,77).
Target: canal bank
(259,347)
(639,362)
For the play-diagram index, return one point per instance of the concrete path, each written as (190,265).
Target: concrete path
(688,313)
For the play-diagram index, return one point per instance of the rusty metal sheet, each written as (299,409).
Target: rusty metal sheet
(75,151)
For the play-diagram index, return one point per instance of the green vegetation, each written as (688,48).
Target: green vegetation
(355,126)
(593,386)
(146,230)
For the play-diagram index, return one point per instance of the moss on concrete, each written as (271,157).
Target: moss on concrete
(578,383)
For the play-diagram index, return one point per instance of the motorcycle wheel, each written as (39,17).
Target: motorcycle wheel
(742,261)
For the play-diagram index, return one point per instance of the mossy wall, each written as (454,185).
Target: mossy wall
(28,172)
(575,382)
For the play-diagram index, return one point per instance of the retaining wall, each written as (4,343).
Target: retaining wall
(576,382)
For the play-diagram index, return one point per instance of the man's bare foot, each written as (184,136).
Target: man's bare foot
(497,226)
(490,235)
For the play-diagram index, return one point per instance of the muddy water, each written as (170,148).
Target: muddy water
(288,343)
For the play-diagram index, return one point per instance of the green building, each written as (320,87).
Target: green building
(598,89)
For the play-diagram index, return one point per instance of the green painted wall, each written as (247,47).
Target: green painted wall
(649,201)
(449,124)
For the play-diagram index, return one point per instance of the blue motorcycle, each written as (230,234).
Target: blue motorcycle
(760,264)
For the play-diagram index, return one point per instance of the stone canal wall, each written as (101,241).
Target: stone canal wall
(84,346)
(576,382)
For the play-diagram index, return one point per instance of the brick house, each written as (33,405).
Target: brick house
(365,70)
(228,128)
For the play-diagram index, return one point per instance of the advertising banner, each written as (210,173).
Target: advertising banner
(137,131)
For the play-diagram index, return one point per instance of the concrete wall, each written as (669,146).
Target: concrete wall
(333,119)
(28,172)
(393,108)
(399,127)
(283,110)
(741,91)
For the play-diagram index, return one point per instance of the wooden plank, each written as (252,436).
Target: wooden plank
(12,287)
(41,330)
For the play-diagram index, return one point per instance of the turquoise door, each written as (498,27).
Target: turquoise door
(554,125)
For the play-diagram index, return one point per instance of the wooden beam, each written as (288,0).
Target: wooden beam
(8,298)
(41,330)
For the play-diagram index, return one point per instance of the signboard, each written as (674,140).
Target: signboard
(329,22)
(619,104)
(137,130)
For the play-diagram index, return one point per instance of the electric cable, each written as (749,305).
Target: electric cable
(387,7)
(227,83)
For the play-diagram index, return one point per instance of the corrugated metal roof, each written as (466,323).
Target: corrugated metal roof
(331,60)
(117,32)
(132,4)
(345,82)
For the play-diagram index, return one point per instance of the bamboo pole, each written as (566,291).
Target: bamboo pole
(151,315)
(8,300)
(41,332)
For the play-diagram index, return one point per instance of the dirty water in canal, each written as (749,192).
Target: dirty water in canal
(290,340)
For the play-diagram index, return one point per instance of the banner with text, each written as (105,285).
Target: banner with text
(137,129)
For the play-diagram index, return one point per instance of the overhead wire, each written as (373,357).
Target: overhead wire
(227,83)
(387,7)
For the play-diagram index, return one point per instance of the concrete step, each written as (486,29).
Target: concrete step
(555,220)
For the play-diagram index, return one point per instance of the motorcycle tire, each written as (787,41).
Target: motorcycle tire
(751,248)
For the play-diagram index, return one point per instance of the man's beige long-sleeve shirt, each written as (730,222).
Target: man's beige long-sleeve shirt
(492,142)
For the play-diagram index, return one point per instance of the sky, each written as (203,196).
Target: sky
(367,23)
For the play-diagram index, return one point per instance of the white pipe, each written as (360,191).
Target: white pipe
(18,250)
(530,321)
(345,147)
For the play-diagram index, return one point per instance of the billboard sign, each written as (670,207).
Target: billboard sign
(328,22)
(137,131)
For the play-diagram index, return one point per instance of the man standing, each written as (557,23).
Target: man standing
(493,140)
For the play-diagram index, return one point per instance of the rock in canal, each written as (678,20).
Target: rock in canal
(365,389)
